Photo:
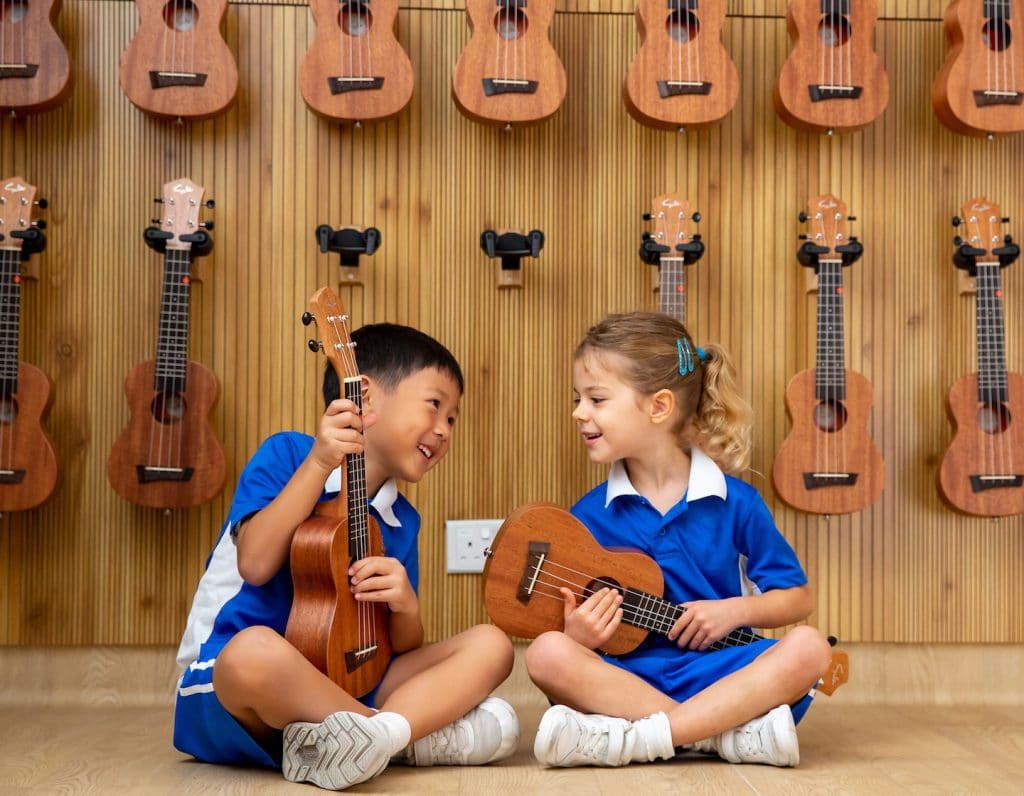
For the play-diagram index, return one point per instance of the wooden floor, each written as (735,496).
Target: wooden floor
(844,749)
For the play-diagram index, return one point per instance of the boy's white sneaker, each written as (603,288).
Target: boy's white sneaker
(489,732)
(769,739)
(567,737)
(342,750)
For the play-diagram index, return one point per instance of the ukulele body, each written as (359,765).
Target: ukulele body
(810,449)
(324,623)
(572,547)
(27,460)
(975,451)
(654,90)
(509,45)
(162,431)
(356,70)
(968,67)
(179,66)
(42,79)
(815,61)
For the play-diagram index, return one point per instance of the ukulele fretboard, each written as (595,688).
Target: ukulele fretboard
(355,475)
(992,386)
(10,319)
(657,615)
(172,342)
(830,365)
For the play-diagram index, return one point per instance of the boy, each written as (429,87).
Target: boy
(244,683)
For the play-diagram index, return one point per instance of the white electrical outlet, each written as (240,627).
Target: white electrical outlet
(466,541)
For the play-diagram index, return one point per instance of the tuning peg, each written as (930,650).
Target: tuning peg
(647,216)
(314,345)
(1008,240)
(156,221)
(206,224)
(42,204)
(802,217)
(1005,219)
(159,200)
(957,240)
(851,218)
(645,235)
(957,221)
(307,318)
(209,204)
(801,237)
(39,223)
(696,218)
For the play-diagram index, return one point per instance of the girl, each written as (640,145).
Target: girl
(667,417)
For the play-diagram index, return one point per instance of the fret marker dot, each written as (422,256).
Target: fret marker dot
(680,288)
(839,290)
(184,280)
(17,279)
(999,294)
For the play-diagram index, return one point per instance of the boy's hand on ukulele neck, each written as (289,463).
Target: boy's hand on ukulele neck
(596,620)
(703,623)
(377,579)
(339,434)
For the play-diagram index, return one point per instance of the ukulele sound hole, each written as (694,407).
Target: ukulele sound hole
(168,407)
(14,11)
(8,409)
(510,23)
(834,30)
(354,19)
(830,416)
(601,583)
(180,15)
(996,33)
(993,418)
(682,26)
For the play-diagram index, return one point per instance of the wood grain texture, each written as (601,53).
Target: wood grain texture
(88,568)
(30,40)
(25,444)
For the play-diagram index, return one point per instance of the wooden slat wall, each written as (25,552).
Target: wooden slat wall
(88,568)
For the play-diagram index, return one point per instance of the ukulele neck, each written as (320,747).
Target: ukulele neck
(172,341)
(10,317)
(658,616)
(992,384)
(355,485)
(672,288)
(830,365)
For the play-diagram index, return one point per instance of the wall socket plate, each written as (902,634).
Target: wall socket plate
(466,541)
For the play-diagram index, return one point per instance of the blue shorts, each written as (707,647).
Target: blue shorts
(681,674)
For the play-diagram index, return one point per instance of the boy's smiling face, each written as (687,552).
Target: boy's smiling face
(413,427)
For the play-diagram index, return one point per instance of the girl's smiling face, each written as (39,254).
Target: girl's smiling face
(613,418)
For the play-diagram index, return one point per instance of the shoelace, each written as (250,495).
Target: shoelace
(593,741)
(751,741)
(446,745)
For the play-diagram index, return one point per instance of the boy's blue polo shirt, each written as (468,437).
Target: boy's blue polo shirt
(225,604)
(718,541)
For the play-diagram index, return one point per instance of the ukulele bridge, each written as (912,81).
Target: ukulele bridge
(502,85)
(819,480)
(979,483)
(537,553)
(828,92)
(12,476)
(148,474)
(356,658)
(18,70)
(679,88)
(343,85)
(161,79)
(989,97)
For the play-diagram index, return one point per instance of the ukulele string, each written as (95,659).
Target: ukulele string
(366,34)
(182,285)
(848,46)
(8,294)
(695,34)
(645,619)
(985,365)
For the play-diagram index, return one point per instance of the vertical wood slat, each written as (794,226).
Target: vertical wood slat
(88,568)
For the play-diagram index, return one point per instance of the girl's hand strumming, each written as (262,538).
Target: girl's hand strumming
(596,620)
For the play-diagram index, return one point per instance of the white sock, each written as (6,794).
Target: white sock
(653,738)
(398,728)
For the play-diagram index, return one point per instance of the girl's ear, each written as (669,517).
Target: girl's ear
(662,406)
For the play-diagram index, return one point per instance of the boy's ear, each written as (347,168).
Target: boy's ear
(368,388)
(662,405)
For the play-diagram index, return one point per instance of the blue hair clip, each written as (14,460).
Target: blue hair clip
(702,354)
(686,365)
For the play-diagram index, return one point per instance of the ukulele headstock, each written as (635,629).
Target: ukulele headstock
(671,237)
(984,241)
(17,229)
(827,239)
(179,223)
(837,674)
(328,313)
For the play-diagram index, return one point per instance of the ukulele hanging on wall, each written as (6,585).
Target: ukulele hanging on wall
(982,472)
(980,88)
(177,64)
(28,466)
(828,464)
(168,456)
(681,77)
(355,69)
(671,247)
(509,73)
(35,73)
(832,80)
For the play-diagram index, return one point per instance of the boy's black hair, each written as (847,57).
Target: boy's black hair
(389,353)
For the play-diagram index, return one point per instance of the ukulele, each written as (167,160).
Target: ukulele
(168,456)
(346,640)
(828,464)
(177,64)
(979,474)
(509,73)
(541,547)
(35,73)
(681,77)
(980,88)
(832,80)
(28,466)
(671,247)
(356,70)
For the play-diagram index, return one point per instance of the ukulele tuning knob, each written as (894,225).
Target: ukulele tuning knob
(957,221)
(206,225)
(307,318)
(696,218)
(801,237)
(209,204)
(802,217)
(851,218)
(1005,219)
(39,224)
(647,216)
(314,345)
(42,204)
(645,235)
(159,200)
(957,240)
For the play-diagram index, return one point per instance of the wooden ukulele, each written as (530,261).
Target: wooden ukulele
(681,77)
(509,73)
(177,63)
(355,69)
(35,73)
(832,80)
(345,639)
(980,88)
(168,456)
(28,466)
(671,247)
(828,464)
(541,547)
(982,472)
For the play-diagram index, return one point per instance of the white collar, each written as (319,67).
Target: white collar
(706,479)
(383,501)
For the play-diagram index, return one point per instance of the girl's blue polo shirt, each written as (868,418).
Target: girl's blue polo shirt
(718,541)
(225,604)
